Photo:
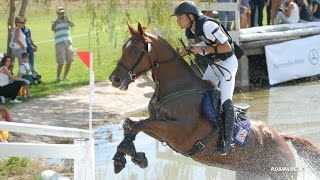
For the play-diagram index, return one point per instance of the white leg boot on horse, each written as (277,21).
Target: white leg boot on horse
(227,133)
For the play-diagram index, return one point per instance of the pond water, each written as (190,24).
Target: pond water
(292,110)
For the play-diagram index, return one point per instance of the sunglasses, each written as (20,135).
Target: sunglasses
(21,22)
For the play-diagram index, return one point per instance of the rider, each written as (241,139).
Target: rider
(208,39)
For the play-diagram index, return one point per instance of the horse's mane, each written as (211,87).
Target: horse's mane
(170,49)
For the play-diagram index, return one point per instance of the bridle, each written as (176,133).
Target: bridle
(132,75)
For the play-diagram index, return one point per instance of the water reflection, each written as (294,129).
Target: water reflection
(291,110)
(163,162)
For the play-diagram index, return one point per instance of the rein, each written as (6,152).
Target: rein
(159,104)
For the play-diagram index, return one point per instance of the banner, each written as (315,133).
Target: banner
(293,59)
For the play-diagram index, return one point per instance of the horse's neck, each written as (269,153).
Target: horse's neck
(176,75)
(173,74)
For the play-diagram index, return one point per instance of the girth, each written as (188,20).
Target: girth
(198,146)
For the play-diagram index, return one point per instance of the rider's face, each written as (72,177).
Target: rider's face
(183,21)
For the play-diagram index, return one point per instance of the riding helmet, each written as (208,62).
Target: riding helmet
(186,7)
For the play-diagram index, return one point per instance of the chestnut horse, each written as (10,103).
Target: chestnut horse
(176,116)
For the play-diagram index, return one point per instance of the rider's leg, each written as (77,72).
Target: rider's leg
(227,83)
(229,120)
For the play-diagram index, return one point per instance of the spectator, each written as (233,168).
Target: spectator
(316,10)
(63,43)
(18,37)
(26,73)
(269,7)
(7,89)
(31,47)
(244,14)
(4,116)
(288,15)
(226,17)
(304,9)
(254,4)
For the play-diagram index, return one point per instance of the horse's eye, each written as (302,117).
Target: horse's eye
(135,51)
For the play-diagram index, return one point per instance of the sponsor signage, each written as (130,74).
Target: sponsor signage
(293,59)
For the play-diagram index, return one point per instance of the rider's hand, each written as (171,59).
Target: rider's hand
(186,50)
(196,50)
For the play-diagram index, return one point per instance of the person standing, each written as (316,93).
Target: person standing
(63,43)
(226,17)
(244,14)
(207,38)
(18,39)
(256,4)
(31,47)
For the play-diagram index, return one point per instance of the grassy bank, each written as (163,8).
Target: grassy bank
(102,31)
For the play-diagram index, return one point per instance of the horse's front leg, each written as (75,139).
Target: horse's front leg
(126,147)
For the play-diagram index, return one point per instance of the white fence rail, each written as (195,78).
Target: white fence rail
(80,151)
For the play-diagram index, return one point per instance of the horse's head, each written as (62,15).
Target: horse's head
(135,59)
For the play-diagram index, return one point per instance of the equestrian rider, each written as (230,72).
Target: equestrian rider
(207,38)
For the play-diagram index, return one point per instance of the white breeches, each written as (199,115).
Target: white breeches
(214,75)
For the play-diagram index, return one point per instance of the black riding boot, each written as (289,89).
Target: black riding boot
(229,120)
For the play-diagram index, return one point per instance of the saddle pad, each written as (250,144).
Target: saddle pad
(208,109)
(242,131)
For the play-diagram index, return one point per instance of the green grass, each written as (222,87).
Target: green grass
(105,43)
(13,165)
(105,40)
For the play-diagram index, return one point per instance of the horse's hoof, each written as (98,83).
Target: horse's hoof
(140,160)
(119,162)
(118,166)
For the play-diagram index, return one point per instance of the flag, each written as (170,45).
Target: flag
(85,58)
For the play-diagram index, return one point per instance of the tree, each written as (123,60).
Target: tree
(22,12)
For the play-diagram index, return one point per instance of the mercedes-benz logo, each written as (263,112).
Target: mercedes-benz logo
(313,57)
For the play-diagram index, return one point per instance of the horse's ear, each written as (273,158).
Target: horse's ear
(140,29)
(131,29)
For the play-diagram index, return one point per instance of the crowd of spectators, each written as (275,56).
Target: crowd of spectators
(278,12)
(23,48)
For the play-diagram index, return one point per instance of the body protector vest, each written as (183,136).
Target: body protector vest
(198,37)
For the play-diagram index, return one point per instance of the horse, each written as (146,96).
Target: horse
(176,117)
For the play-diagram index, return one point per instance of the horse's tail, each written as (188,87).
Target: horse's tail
(306,150)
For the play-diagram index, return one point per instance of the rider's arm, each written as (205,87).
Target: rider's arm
(213,32)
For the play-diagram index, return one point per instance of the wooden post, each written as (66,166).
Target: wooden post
(82,166)
(242,77)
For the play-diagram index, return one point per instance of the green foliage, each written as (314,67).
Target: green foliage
(13,165)
(100,27)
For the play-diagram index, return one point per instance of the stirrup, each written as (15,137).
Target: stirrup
(225,150)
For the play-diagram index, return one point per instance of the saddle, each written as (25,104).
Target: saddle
(211,108)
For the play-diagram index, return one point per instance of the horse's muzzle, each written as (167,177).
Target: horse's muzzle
(117,82)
